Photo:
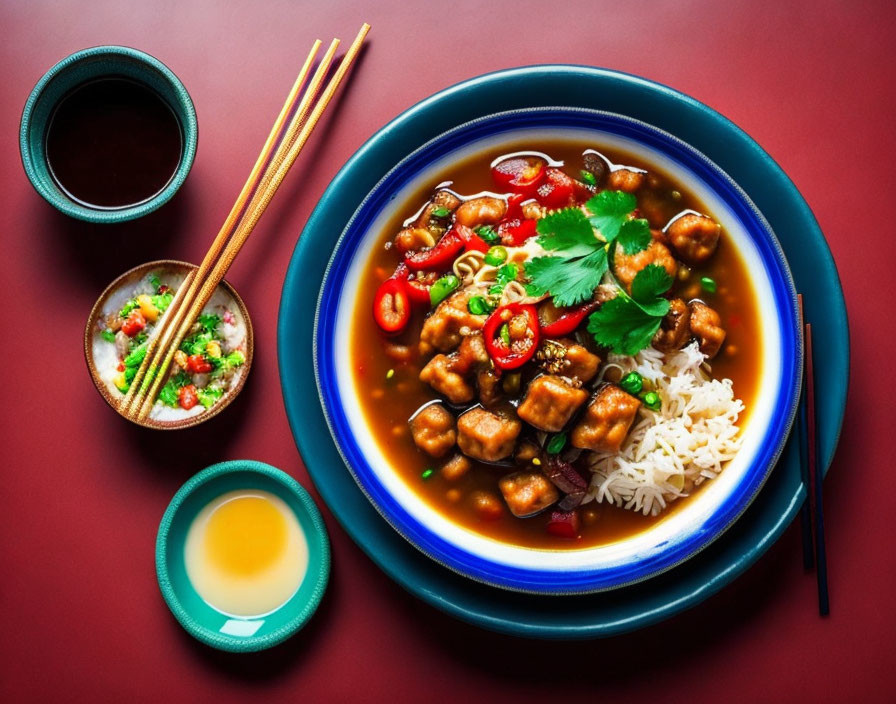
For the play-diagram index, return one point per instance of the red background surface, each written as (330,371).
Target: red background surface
(83,491)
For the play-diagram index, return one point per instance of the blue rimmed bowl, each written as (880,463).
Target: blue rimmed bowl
(670,542)
(205,623)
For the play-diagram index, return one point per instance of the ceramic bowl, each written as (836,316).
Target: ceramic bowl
(207,624)
(91,64)
(102,359)
(671,541)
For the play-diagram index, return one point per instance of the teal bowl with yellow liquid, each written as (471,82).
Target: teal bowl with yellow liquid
(215,626)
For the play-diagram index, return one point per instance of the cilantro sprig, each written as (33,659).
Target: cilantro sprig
(579,244)
(626,324)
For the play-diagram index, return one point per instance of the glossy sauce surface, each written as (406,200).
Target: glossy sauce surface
(112,143)
(389,402)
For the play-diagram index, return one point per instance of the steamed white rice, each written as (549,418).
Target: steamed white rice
(669,452)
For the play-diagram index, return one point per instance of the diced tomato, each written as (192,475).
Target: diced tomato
(565,524)
(187,397)
(516,232)
(556,190)
(134,323)
(520,174)
(197,364)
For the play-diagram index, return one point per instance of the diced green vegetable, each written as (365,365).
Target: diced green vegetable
(487,232)
(441,212)
(506,274)
(504,332)
(708,284)
(108,335)
(235,358)
(154,281)
(162,301)
(209,395)
(427,473)
(496,256)
(556,444)
(135,358)
(587,177)
(478,305)
(128,307)
(632,383)
(210,322)
(442,288)
(130,373)
(652,400)
(168,394)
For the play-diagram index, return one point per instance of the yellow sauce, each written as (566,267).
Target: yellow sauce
(245,553)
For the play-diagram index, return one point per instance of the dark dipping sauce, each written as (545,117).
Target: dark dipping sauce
(389,402)
(113,143)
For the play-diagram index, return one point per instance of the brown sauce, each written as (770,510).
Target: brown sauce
(389,402)
(113,143)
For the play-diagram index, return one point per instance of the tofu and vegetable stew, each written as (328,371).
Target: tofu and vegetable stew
(558,347)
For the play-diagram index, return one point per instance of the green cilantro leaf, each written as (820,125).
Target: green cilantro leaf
(623,326)
(634,236)
(168,394)
(567,230)
(506,274)
(209,322)
(569,281)
(609,210)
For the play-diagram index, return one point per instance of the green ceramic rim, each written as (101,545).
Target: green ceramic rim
(139,66)
(318,541)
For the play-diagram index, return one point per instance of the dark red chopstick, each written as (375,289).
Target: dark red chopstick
(815,480)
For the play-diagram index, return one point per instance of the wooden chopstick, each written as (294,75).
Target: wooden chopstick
(290,146)
(806,510)
(188,288)
(815,481)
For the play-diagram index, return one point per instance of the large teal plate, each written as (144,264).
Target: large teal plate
(769,188)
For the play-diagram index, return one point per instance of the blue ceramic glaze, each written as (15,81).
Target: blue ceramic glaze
(768,187)
(544,579)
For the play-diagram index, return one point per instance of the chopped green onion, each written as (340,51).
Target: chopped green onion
(128,307)
(556,444)
(390,373)
(652,400)
(496,290)
(588,177)
(477,305)
(108,335)
(427,473)
(441,212)
(708,284)
(506,274)
(442,288)
(504,332)
(487,232)
(496,256)
(632,383)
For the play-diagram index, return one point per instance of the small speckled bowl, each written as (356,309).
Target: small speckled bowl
(90,64)
(239,634)
(101,367)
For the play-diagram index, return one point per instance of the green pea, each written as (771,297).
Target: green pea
(588,177)
(708,284)
(479,306)
(504,332)
(496,256)
(427,473)
(652,400)
(441,212)
(442,288)
(556,444)
(632,383)
(487,232)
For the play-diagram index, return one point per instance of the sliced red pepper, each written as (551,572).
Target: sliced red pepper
(568,321)
(557,189)
(564,524)
(519,351)
(439,257)
(391,305)
(515,232)
(187,397)
(514,207)
(520,174)
(472,241)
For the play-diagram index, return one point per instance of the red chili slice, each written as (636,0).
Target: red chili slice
(516,232)
(471,240)
(519,351)
(391,305)
(556,191)
(520,174)
(568,321)
(439,257)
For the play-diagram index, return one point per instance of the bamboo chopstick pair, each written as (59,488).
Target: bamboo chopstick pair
(280,151)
